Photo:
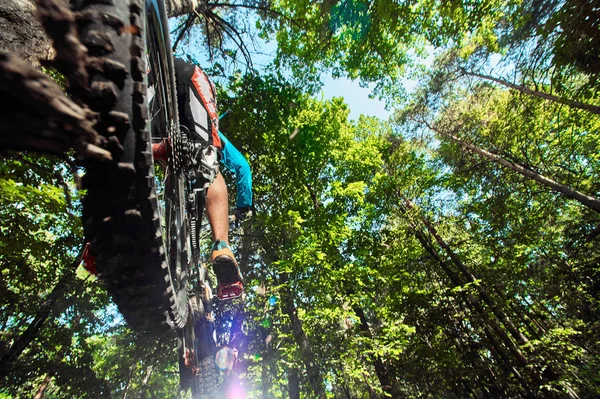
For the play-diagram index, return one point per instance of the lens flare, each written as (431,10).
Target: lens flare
(272,300)
(225,359)
(236,391)
(266,323)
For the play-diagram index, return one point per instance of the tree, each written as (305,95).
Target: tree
(417,258)
(22,33)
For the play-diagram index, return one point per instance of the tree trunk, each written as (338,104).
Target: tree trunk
(540,94)
(264,373)
(177,8)
(525,319)
(380,369)
(372,393)
(145,381)
(589,201)
(57,357)
(38,116)
(498,312)
(52,304)
(128,383)
(293,384)
(312,369)
(43,386)
(538,318)
(287,300)
(473,302)
(486,324)
(470,353)
(265,383)
(22,34)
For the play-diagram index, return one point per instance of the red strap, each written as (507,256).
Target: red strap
(89,260)
(203,86)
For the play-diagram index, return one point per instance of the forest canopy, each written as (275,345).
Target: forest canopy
(451,251)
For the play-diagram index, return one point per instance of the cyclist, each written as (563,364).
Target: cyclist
(236,163)
(197,102)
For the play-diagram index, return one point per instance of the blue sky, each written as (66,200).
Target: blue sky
(355,96)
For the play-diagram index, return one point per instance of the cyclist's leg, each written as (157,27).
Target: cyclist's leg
(224,263)
(217,209)
(211,182)
(197,107)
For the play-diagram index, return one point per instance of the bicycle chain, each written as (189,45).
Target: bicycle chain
(193,231)
(186,161)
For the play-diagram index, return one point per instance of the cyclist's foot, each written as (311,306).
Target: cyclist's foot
(159,152)
(227,271)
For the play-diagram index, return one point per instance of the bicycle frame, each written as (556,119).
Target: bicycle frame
(196,354)
(160,59)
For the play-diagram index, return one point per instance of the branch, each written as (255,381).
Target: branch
(311,192)
(259,8)
(208,22)
(187,24)
(208,40)
(228,28)
(180,25)
(52,304)
(546,96)
(589,201)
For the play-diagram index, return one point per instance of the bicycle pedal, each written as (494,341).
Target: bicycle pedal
(230,291)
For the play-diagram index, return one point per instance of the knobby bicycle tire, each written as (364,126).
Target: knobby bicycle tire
(204,385)
(121,214)
(201,376)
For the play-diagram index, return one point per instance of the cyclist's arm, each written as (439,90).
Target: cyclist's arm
(236,163)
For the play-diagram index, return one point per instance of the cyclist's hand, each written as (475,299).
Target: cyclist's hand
(242,214)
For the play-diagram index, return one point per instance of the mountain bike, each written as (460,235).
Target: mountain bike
(143,222)
(211,344)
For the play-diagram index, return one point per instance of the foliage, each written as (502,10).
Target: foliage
(385,259)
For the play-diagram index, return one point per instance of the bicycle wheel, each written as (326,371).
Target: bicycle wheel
(144,271)
(197,346)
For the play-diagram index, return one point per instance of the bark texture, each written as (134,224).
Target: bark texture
(176,8)
(37,114)
(293,384)
(22,34)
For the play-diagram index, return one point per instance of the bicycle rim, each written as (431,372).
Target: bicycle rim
(164,125)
